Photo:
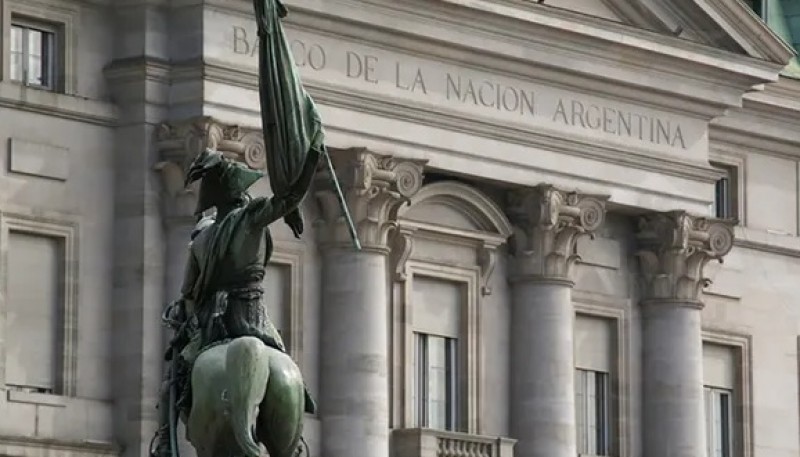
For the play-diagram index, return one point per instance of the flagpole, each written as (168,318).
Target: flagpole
(339,196)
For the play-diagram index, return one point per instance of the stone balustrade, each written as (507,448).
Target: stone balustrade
(419,442)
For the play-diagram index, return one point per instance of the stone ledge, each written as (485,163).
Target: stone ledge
(13,446)
(19,396)
(762,240)
(420,442)
(70,107)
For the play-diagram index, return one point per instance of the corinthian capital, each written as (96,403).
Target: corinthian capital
(674,249)
(375,187)
(547,224)
(180,142)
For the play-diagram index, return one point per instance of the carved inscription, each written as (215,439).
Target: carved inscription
(484,92)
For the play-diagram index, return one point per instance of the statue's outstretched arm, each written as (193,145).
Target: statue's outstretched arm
(267,210)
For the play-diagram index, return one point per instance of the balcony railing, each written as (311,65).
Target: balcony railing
(418,442)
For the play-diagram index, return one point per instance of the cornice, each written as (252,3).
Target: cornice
(744,137)
(559,38)
(138,68)
(743,23)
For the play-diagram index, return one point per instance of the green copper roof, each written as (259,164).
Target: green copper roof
(783,17)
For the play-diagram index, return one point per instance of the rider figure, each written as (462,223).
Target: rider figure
(222,291)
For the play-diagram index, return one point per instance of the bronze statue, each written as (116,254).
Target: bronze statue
(221,296)
(231,379)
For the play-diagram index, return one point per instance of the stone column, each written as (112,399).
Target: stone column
(674,249)
(548,223)
(354,340)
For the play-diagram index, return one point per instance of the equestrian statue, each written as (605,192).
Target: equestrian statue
(231,380)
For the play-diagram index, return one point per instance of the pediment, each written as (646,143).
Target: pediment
(729,25)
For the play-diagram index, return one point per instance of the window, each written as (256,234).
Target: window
(757,6)
(719,422)
(726,192)
(35,313)
(434,390)
(592,412)
(728,433)
(595,367)
(33,54)
(277,297)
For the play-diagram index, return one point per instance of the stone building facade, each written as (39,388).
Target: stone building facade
(545,193)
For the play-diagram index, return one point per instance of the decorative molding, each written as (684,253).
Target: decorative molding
(67,232)
(401,252)
(180,142)
(375,187)
(504,28)
(674,250)
(491,227)
(472,203)
(548,223)
(487,260)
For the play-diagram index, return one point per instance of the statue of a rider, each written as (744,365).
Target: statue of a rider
(221,297)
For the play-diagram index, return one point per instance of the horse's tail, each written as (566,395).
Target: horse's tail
(247,367)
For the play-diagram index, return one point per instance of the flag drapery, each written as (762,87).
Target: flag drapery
(290,121)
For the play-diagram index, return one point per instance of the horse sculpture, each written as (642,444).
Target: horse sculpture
(245,393)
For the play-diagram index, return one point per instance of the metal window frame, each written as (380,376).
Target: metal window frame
(422,378)
(50,61)
(713,399)
(600,443)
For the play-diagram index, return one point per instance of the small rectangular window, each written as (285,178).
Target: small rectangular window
(719,422)
(592,411)
(435,390)
(726,192)
(33,54)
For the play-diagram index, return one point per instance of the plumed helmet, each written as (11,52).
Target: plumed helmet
(222,179)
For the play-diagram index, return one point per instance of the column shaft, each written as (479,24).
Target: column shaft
(354,355)
(549,222)
(674,249)
(542,370)
(672,369)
